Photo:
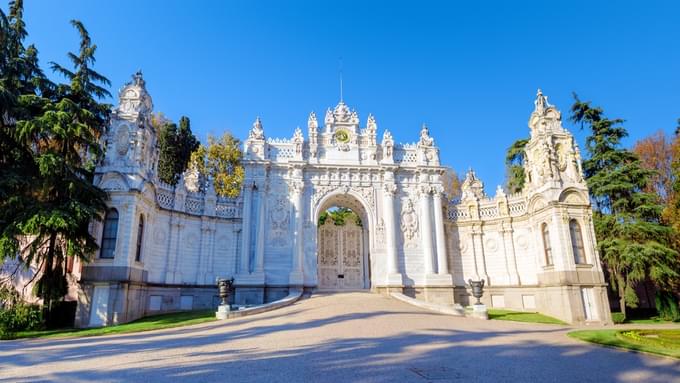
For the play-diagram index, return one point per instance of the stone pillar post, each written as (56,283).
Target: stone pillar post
(442,256)
(296,275)
(510,256)
(393,275)
(426,228)
(259,249)
(245,240)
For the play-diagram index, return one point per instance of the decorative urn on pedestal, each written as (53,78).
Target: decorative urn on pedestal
(478,309)
(225,286)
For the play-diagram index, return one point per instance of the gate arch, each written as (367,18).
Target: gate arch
(355,202)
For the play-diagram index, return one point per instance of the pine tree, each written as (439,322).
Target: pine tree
(632,241)
(21,80)
(63,136)
(514,162)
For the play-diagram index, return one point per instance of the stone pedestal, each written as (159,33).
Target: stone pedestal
(222,312)
(479,312)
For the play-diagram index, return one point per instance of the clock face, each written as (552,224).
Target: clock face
(342,136)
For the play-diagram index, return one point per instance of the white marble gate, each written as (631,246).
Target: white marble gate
(341,256)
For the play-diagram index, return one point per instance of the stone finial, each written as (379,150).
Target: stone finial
(425,139)
(545,118)
(312,123)
(500,193)
(257,132)
(138,79)
(133,99)
(371,125)
(329,119)
(472,188)
(342,112)
(297,136)
(387,139)
(541,102)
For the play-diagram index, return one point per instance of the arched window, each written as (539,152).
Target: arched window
(577,242)
(546,245)
(140,234)
(110,234)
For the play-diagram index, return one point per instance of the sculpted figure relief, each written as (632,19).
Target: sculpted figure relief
(409,223)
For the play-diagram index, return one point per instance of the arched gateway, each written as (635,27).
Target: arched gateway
(343,248)
(533,249)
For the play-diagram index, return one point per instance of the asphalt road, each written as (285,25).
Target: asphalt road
(350,337)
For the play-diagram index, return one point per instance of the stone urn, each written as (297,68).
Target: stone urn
(225,287)
(477,289)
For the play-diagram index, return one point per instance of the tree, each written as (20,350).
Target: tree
(671,213)
(632,241)
(20,78)
(176,146)
(452,184)
(220,162)
(656,154)
(61,130)
(340,216)
(514,162)
(167,155)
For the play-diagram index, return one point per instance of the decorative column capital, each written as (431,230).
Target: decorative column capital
(296,187)
(437,191)
(390,188)
(425,190)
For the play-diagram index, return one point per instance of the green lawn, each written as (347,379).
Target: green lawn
(617,317)
(155,322)
(662,342)
(519,316)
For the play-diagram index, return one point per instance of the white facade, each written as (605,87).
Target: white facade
(412,240)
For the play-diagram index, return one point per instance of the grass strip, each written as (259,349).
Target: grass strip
(521,316)
(155,322)
(660,342)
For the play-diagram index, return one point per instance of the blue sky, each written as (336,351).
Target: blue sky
(469,69)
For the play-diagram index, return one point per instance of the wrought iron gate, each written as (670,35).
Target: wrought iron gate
(341,258)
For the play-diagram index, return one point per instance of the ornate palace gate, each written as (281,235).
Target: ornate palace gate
(341,258)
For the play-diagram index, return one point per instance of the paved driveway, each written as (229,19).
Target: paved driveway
(352,337)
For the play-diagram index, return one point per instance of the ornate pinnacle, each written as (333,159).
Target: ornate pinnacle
(541,103)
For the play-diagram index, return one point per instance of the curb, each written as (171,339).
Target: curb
(291,298)
(455,311)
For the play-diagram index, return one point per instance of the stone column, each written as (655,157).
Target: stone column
(426,228)
(296,275)
(510,256)
(442,256)
(393,276)
(259,249)
(245,239)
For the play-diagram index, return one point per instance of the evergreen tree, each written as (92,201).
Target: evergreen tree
(176,146)
(167,141)
(514,162)
(63,138)
(20,81)
(632,241)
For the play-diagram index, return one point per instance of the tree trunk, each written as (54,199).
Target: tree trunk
(622,295)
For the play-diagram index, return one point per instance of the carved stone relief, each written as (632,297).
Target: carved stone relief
(122,140)
(409,223)
(279,222)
